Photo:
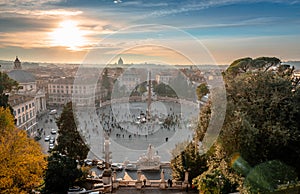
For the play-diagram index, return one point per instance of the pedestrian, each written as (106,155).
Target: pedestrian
(144,181)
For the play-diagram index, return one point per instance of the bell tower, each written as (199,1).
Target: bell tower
(17,63)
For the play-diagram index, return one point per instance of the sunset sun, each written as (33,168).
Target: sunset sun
(69,35)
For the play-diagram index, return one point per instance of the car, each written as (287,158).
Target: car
(51,146)
(53,131)
(51,141)
(76,190)
(100,165)
(130,167)
(52,112)
(47,138)
(88,162)
(116,166)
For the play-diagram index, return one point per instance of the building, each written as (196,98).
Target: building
(120,62)
(28,102)
(24,112)
(83,93)
(164,77)
(27,86)
(129,79)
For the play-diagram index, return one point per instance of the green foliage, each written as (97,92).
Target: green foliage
(266,177)
(6,85)
(213,182)
(190,160)
(70,143)
(61,174)
(202,90)
(262,117)
(164,90)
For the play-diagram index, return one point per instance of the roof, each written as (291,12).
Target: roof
(16,99)
(21,76)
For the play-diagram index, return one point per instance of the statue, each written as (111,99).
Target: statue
(150,160)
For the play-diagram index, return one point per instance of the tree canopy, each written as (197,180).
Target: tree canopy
(69,141)
(261,122)
(22,161)
(6,85)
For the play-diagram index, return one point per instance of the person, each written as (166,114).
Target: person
(144,181)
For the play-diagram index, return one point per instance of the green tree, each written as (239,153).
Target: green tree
(69,141)
(61,173)
(6,85)
(202,90)
(21,158)
(261,122)
(188,160)
(164,90)
(63,163)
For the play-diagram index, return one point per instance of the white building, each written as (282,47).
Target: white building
(129,79)
(24,112)
(27,101)
(27,86)
(163,77)
(83,92)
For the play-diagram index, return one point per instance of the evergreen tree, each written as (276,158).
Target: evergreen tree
(69,141)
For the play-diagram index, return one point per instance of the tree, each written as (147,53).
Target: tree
(69,141)
(63,162)
(6,85)
(188,160)
(202,90)
(22,161)
(262,116)
(61,173)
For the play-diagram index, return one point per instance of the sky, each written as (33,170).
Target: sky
(152,31)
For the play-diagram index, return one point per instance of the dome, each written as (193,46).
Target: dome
(21,76)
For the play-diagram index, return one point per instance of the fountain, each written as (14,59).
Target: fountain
(149,161)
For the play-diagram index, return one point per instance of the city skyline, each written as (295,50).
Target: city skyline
(66,31)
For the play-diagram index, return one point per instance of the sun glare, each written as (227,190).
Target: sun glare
(68,35)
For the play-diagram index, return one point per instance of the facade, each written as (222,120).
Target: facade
(27,86)
(83,93)
(28,102)
(163,78)
(130,80)
(24,112)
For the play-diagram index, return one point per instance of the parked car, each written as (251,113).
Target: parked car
(47,138)
(52,112)
(116,166)
(130,167)
(53,131)
(76,190)
(52,140)
(100,164)
(88,162)
(51,146)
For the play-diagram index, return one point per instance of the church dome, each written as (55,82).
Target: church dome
(21,76)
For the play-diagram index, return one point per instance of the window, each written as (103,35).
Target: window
(19,121)
(26,107)
(23,109)
(29,105)
(19,111)
(33,104)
